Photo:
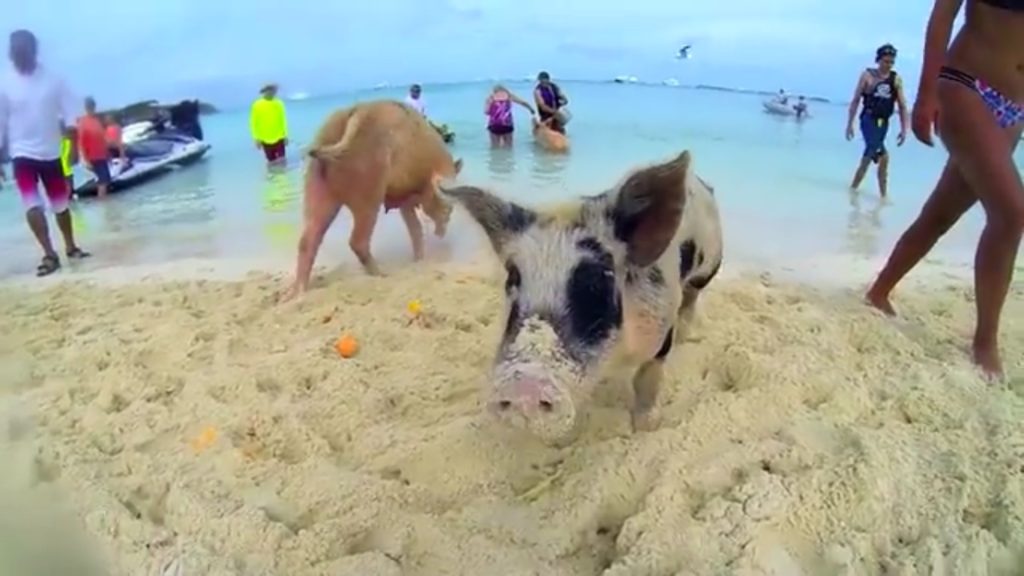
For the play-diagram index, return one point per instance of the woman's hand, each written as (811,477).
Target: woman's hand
(924,116)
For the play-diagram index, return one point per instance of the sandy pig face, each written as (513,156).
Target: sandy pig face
(566,282)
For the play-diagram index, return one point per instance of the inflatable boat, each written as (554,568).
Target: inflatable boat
(778,108)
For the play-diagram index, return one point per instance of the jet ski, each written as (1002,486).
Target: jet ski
(153,148)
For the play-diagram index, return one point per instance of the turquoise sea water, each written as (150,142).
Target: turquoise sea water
(782,185)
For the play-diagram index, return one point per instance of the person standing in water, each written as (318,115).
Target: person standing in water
(881,92)
(800,108)
(415,99)
(550,99)
(36,106)
(973,92)
(269,125)
(92,147)
(498,109)
(115,140)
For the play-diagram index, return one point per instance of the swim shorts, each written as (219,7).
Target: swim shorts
(500,129)
(874,130)
(101,168)
(29,172)
(273,152)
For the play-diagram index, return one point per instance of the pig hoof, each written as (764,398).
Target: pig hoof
(646,421)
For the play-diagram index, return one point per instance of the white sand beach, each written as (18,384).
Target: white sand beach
(195,427)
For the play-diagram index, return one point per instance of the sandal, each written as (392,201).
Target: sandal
(49,265)
(77,254)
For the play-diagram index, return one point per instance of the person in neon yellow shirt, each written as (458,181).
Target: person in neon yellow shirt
(67,161)
(269,125)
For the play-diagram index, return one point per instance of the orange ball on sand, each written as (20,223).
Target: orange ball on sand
(347,346)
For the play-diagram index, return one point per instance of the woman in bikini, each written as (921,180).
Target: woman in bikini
(498,109)
(973,92)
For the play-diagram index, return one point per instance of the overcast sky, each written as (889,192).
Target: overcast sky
(122,50)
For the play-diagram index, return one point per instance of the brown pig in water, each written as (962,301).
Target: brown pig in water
(368,156)
(549,139)
(597,290)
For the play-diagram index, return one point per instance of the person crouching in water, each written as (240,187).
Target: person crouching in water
(498,109)
(974,91)
(881,91)
(550,100)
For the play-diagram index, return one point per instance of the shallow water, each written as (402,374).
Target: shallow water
(782,185)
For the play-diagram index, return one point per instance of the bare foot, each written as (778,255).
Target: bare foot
(880,302)
(987,358)
(293,292)
(372,269)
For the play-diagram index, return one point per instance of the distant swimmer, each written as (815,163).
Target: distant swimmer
(498,109)
(269,125)
(881,92)
(684,52)
(972,91)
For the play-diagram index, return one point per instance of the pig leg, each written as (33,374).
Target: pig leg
(319,211)
(364,219)
(687,312)
(646,384)
(412,223)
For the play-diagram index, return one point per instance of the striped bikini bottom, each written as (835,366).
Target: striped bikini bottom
(1006,111)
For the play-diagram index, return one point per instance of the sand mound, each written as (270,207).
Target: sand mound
(195,427)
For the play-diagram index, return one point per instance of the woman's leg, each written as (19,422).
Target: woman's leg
(949,201)
(495,139)
(983,153)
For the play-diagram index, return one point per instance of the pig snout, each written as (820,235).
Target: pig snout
(529,398)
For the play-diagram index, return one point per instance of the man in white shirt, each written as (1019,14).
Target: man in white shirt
(36,108)
(415,99)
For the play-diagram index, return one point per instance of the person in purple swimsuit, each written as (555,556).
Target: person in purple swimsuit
(498,109)
(973,91)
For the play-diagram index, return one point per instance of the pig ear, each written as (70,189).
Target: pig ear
(646,212)
(500,219)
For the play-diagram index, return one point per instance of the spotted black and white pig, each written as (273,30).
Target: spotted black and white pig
(597,290)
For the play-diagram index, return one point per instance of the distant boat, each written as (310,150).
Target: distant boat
(684,52)
(382,86)
(297,96)
(626,80)
(671,82)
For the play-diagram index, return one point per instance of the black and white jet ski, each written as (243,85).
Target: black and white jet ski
(152,148)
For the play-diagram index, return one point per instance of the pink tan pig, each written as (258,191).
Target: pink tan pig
(597,291)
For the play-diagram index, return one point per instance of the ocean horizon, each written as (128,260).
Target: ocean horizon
(782,184)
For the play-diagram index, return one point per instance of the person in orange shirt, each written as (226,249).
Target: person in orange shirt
(92,147)
(115,144)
